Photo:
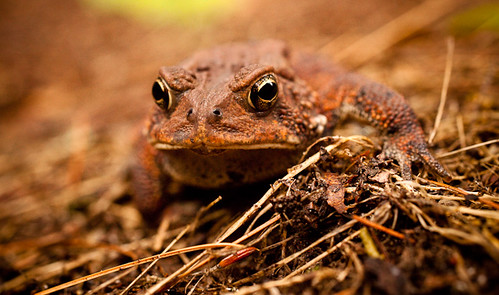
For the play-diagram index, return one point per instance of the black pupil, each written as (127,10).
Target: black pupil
(268,91)
(158,93)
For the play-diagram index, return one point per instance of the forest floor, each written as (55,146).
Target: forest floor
(75,86)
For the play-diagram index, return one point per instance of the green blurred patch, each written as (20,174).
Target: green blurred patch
(484,17)
(184,12)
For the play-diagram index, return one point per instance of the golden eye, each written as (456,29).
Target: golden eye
(162,94)
(263,93)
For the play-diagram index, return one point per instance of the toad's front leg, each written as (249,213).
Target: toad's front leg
(147,180)
(389,112)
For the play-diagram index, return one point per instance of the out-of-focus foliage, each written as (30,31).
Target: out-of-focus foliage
(184,12)
(484,17)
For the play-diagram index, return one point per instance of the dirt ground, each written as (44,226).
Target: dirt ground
(74,88)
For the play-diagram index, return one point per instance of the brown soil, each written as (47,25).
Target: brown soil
(74,87)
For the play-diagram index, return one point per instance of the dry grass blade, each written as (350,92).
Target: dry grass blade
(474,146)
(135,263)
(489,202)
(490,214)
(449,187)
(394,31)
(445,88)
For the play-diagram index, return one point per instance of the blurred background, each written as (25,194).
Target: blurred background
(92,61)
(75,80)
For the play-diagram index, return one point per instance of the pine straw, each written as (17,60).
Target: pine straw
(304,243)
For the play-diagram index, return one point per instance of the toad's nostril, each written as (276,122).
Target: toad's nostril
(217,112)
(190,116)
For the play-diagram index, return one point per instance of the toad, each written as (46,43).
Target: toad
(245,112)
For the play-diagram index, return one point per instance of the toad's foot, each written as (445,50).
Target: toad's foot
(406,149)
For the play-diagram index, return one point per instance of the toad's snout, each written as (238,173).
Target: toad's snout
(210,115)
(208,126)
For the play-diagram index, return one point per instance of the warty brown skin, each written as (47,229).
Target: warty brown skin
(211,135)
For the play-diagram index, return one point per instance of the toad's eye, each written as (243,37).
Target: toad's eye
(162,94)
(263,93)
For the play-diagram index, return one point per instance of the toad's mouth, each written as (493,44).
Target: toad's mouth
(216,143)
(216,149)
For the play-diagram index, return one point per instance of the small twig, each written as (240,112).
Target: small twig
(491,214)
(452,188)
(489,202)
(468,148)
(263,235)
(292,172)
(381,228)
(445,87)
(401,204)
(277,244)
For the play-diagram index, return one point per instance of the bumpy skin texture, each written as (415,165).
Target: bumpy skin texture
(211,136)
